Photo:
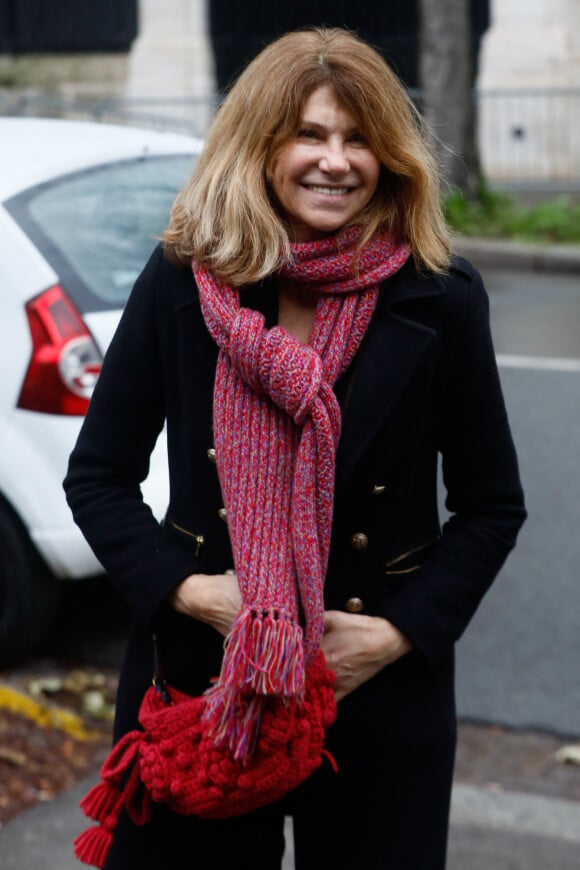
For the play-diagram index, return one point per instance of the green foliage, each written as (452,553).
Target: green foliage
(496,214)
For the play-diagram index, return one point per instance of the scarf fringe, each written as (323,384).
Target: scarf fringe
(264,656)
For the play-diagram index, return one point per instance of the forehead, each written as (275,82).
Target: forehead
(323,105)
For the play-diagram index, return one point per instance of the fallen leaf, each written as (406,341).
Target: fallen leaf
(13,756)
(95,704)
(68,749)
(78,681)
(44,686)
(569,754)
(43,715)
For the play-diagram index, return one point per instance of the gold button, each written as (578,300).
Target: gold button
(354,605)
(378,489)
(211,455)
(222,514)
(359,541)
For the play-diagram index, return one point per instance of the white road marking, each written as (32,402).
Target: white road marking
(542,363)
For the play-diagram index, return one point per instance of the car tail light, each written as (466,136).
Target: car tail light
(65,361)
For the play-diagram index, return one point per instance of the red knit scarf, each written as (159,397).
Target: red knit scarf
(276,429)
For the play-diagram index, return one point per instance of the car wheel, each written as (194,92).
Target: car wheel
(29,594)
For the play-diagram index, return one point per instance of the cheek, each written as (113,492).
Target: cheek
(279,182)
(373,172)
(276,183)
(282,171)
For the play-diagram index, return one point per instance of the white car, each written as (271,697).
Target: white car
(81,208)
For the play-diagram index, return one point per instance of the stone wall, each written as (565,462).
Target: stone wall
(532,52)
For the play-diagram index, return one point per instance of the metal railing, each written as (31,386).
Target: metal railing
(191,115)
(526,137)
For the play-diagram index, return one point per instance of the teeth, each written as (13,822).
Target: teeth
(329,191)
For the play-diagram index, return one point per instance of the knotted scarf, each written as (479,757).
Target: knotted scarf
(276,429)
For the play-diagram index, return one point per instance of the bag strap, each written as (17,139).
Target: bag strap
(159,682)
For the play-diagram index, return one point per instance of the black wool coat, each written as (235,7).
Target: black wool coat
(424,384)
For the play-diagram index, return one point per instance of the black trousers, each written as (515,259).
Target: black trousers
(324,839)
(386,809)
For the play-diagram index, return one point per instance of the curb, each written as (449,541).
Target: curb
(507,254)
(516,813)
(49,829)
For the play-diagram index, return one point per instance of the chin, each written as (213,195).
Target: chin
(315,233)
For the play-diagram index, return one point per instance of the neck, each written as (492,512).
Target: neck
(296,308)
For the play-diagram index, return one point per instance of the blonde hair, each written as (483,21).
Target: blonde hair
(225,217)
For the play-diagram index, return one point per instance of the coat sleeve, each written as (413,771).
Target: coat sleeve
(112,454)
(483,492)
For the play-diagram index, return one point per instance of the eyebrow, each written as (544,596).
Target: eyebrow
(316,125)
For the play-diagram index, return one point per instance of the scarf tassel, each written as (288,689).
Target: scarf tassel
(264,656)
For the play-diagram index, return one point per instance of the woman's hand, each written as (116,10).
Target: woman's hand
(211,598)
(357,647)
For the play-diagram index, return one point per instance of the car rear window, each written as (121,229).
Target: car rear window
(97,228)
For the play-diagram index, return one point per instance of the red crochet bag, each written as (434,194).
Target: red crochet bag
(174,760)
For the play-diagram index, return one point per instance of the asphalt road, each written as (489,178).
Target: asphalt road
(519,661)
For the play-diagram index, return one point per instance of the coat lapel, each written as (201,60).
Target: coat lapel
(197,357)
(196,339)
(391,351)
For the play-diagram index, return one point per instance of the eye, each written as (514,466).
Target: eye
(307,133)
(358,138)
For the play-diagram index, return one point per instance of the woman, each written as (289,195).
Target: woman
(305,325)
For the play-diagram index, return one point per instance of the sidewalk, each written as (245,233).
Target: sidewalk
(505,831)
(489,253)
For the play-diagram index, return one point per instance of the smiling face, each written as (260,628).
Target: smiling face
(326,175)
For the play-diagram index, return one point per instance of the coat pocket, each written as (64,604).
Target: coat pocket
(411,560)
(192,537)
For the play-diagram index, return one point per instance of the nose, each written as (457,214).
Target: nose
(334,159)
